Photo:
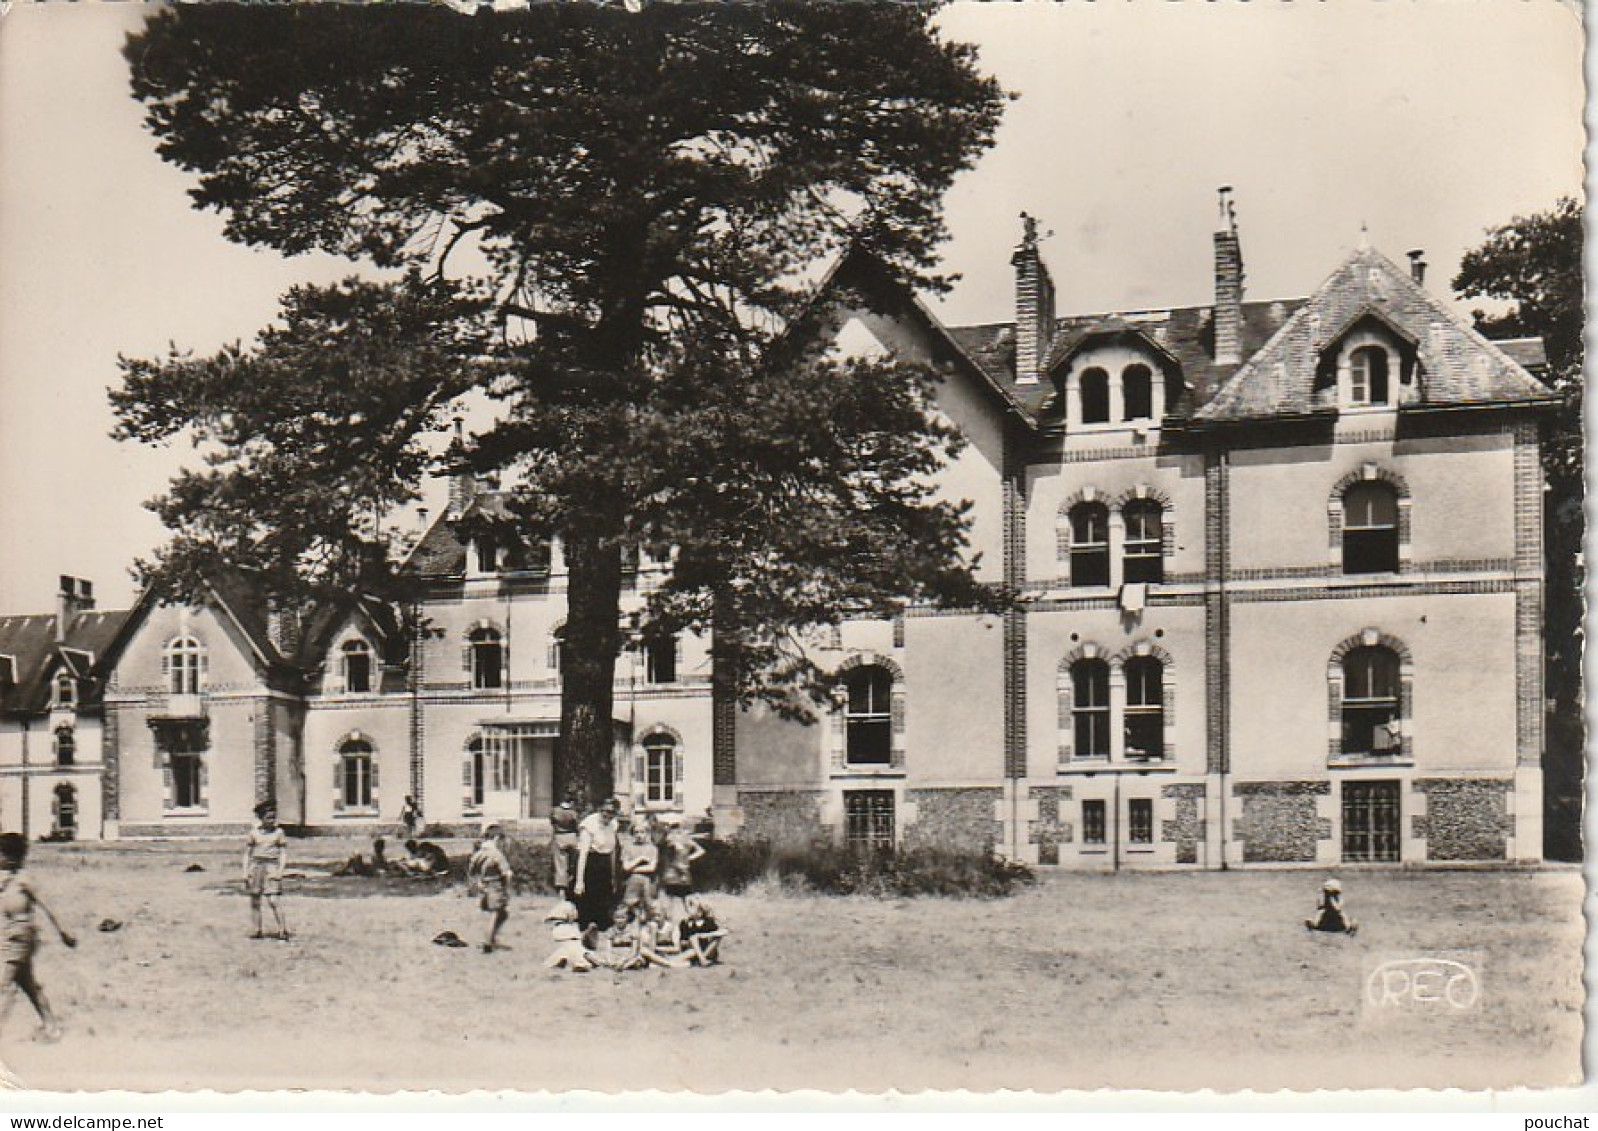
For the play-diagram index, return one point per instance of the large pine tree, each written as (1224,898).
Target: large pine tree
(603,222)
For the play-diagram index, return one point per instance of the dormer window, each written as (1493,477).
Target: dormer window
(487,555)
(357,660)
(66,691)
(1095,385)
(1368,376)
(1137,389)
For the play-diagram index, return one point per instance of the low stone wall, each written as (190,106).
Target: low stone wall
(1185,829)
(792,817)
(954,818)
(1050,830)
(1466,818)
(1278,823)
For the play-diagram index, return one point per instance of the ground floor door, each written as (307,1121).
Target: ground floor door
(1371,822)
(519,772)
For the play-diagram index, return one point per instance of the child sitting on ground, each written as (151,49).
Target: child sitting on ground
(617,946)
(569,950)
(1329,914)
(700,934)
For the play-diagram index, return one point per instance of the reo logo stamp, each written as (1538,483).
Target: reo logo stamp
(1423,984)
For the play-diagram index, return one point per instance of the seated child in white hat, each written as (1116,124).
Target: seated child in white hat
(569,950)
(1329,914)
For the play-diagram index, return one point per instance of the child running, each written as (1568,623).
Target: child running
(18,898)
(489,873)
(265,851)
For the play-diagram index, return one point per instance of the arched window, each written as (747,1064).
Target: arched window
(1371,701)
(1137,391)
(868,715)
(1367,376)
(1370,528)
(1143,559)
(660,660)
(66,691)
(356,770)
(1145,708)
(66,746)
(1090,544)
(357,660)
(1095,391)
(487,658)
(185,664)
(660,769)
(1090,708)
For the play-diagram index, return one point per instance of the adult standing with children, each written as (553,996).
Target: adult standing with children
(595,887)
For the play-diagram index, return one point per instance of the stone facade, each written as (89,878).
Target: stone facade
(1278,823)
(788,818)
(1467,819)
(1185,829)
(1051,829)
(954,818)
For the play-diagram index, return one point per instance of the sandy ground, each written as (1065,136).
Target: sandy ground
(1153,981)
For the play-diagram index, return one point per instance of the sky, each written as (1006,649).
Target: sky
(1423,123)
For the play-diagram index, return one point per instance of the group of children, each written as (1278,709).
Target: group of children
(638,937)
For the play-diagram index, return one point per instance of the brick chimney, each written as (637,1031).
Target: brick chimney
(1228,285)
(1417,267)
(73,596)
(462,483)
(1034,305)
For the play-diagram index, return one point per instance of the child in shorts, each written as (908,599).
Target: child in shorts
(20,942)
(700,934)
(488,873)
(265,851)
(639,860)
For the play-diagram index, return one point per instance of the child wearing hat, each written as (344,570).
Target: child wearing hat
(569,950)
(265,851)
(1329,914)
(489,874)
(20,941)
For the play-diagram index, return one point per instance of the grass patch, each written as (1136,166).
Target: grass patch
(830,868)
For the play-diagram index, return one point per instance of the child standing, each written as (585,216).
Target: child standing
(18,898)
(489,872)
(676,872)
(265,851)
(640,858)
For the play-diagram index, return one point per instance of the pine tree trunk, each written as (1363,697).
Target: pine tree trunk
(584,756)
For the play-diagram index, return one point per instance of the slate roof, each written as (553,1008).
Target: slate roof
(1186,333)
(30,641)
(1458,365)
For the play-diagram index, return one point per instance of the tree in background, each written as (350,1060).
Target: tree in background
(602,222)
(1533,265)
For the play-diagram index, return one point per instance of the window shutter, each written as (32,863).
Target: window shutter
(205,780)
(166,787)
(166,663)
(676,767)
(374,764)
(466,658)
(466,782)
(338,784)
(204,665)
(640,769)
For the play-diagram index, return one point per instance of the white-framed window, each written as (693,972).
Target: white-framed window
(487,658)
(188,781)
(66,746)
(356,659)
(661,769)
(1144,722)
(1370,528)
(1090,544)
(1093,830)
(868,715)
(1140,820)
(66,691)
(185,666)
(868,819)
(356,768)
(1143,552)
(1371,702)
(1369,377)
(64,810)
(474,774)
(1090,708)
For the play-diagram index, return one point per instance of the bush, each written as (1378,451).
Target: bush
(831,868)
(533,865)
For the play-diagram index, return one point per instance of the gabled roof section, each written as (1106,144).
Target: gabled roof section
(1113,329)
(1459,367)
(30,645)
(1187,334)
